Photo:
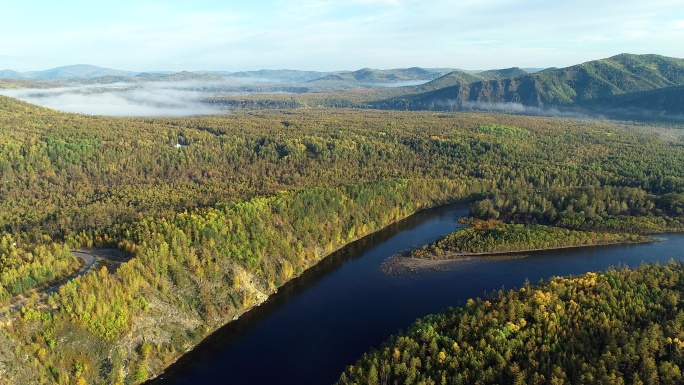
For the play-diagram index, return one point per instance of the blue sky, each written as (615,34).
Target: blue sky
(333,34)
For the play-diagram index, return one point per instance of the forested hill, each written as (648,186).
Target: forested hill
(460,77)
(369,77)
(618,327)
(661,102)
(572,86)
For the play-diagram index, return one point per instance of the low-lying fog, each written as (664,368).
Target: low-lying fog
(190,97)
(157,98)
(404,83)
(126,99)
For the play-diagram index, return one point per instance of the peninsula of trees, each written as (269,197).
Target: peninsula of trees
(494,237)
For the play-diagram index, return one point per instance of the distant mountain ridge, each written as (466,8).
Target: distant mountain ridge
(285,76)
(631,85)
(369,77)
(88,74)
(66,72)
(576,85)
(459,77)
(9,74)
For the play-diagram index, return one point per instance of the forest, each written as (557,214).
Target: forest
(621,326)
(249,200)
(494,237)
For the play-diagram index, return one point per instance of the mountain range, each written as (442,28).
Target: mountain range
(65,72)
(624,85)
(374,76)
(83,73)
(625,81)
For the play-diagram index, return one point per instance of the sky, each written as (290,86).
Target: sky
(327,35)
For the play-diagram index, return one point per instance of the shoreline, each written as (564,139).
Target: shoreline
(159,377)
(405,260)
(400,260)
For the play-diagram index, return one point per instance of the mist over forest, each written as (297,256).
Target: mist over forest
(171,99)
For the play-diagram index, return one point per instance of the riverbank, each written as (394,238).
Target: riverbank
(495,237)
(346,301)
(264,296)
(404,262)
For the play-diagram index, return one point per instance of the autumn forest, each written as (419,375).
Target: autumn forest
(215,213)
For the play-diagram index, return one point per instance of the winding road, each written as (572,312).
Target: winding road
(90,261)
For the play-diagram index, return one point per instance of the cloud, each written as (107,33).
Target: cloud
(149,99)
(518,108)
(340,34)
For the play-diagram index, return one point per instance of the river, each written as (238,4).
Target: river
(326,319)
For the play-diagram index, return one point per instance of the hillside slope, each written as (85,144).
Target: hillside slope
(665,103)
(571,86)
(369,77)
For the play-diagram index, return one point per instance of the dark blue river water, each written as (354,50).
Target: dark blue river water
(336,311)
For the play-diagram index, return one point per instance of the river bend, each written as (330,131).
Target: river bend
(327,318)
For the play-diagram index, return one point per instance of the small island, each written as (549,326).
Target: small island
(493,237)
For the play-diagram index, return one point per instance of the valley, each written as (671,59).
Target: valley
(237,197)
(625,86)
